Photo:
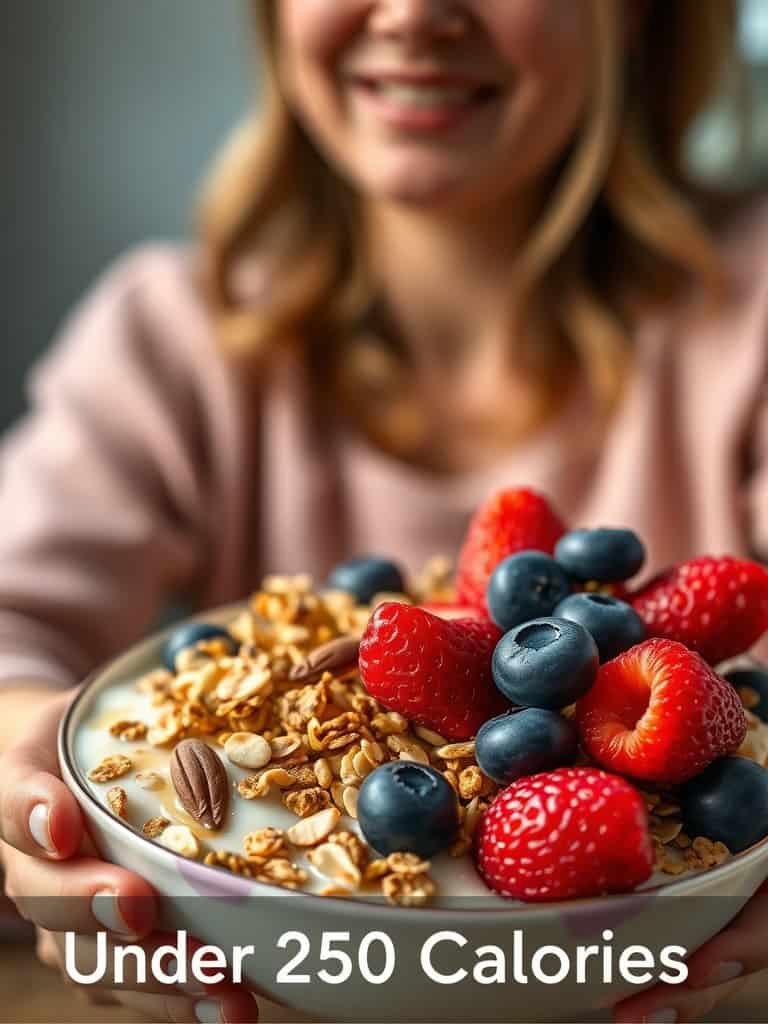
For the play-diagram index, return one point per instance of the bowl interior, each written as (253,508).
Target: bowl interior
(145,656)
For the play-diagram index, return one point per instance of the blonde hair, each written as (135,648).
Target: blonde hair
(620,230)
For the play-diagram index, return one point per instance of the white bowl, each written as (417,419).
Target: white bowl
(227,910)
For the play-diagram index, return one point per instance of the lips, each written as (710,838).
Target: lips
(424,89)
(422,100)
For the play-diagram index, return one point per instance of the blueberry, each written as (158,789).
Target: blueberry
(605,555)
(615,625)
(407,806)
(756,679)
(728,802)
(525,586)
(189,635)
(366,576)
(525,741)
(545,663)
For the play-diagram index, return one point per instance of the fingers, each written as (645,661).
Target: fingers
(673,1004)
(84,896)
(38,813)
(715,972)
(741,949)
(232,1007)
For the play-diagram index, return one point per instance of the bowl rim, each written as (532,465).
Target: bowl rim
(349,904)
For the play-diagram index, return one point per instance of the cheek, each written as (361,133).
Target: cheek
(317,30)
(542,39)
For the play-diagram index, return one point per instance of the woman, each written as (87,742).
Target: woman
(457,250)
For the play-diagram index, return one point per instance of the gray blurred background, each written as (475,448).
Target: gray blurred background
(110,111)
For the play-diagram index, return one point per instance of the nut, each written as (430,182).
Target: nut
(306,802)
(117,799)
(264,842)
(407,864)
(429,736)
(128,730)
(312,830)
(454,751)
(109,768)
(201,783)
(155,827)
(280,871)
(248,750)
(149,780)
(255,786)
(408,890)
(180,839)
(349,798)
(333,861)
(282,746)
(323,772)
(339,657)
(355,847)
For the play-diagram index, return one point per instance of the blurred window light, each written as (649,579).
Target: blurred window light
(753,30)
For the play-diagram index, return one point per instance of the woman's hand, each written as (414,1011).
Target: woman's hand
(56,879)
(716,972)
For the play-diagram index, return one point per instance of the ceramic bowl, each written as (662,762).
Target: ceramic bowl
(229,911)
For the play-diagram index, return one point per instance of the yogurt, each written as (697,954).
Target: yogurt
(457,881)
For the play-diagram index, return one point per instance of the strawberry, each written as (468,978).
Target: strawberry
(512,520)
(436,672)
(659,713)
(716,606)
(563,834)
(449,610)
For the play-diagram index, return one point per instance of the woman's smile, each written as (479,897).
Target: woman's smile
(421,101)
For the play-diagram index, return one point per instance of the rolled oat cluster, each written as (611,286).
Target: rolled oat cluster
(289,709)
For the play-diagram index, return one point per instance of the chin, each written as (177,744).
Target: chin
(428,187)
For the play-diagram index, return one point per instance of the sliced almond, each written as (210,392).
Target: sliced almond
(149,780)
(248,750)
(362,765)
(180,839)
(282,746)
(349,799)
(429,736)
(323,772)
(334,862)
(312,830)
(414,753)
(452,751)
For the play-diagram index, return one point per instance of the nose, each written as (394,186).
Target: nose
(418,19)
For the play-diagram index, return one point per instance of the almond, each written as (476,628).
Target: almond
(337,656)
(201,783)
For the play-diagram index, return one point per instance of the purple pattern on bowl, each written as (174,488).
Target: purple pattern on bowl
(213,882)
(586,922)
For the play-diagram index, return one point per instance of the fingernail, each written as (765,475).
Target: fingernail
(208,1011)
(106,910)
(39,827)
(667,1016)
(726,971)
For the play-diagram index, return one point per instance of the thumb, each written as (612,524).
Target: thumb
(38,813)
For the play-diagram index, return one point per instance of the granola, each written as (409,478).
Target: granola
(293,727)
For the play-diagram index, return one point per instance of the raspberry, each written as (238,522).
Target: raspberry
(512,520)
(564,834)
(436,672)
(716,606)
(659,713)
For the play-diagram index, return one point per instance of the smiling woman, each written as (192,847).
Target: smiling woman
(537,129)
(455,250)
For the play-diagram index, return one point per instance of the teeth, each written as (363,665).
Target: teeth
(424,95)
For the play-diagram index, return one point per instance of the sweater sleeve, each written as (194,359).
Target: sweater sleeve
(101,485)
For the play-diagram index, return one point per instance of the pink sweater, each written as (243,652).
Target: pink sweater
(146,467)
